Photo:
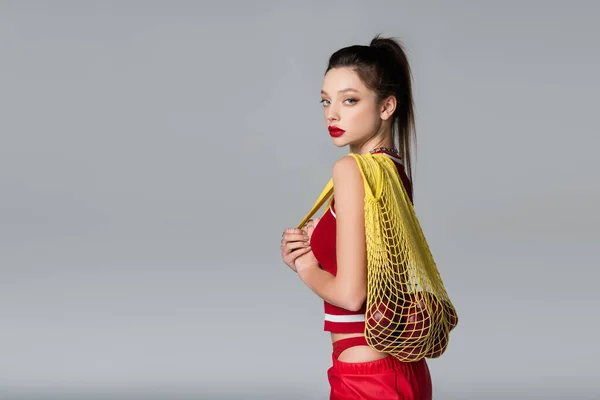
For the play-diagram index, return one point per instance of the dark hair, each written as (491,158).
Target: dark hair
(383,67)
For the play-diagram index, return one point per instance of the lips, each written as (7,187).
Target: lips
(334,131)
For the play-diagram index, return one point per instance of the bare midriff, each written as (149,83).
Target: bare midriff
(357,354)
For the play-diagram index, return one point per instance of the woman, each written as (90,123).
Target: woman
(368,105)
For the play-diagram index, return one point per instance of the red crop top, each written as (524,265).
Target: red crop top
(337,319)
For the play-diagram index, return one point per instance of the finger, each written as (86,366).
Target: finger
(292,231)
(295,237)
(295,245)
(301,252)
(292,249)
(291,257)
(289,247)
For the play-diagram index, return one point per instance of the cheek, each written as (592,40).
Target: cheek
(365,120)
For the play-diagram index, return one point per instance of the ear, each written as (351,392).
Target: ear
(388,106)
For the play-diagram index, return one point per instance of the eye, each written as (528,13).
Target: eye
(323,102)
(352,100)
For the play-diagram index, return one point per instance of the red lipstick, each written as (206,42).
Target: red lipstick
(334,131)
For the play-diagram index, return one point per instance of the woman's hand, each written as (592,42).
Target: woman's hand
(308,259)
(294,243)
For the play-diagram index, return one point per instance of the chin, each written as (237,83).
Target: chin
(339,141)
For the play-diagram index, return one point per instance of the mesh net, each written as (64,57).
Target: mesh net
(409,314)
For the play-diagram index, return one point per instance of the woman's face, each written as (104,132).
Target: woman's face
(349,105)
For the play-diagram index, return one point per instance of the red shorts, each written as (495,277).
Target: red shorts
(385,379)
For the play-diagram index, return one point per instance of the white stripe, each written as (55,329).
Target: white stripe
(344,318)
(332,212)
(398,160)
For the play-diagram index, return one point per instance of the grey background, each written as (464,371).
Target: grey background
(152,153)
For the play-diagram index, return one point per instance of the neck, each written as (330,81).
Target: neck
(381,138)
(370,145)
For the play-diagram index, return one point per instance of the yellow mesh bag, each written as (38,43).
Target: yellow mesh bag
(409,314)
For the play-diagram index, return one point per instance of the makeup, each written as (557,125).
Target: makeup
(334,131)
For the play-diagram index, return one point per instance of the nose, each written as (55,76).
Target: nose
(331,115)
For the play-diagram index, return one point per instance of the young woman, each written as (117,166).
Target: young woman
(368,105)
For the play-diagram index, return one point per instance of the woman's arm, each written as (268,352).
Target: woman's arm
(348,289)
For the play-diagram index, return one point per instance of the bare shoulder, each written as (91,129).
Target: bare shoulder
(347,178)
(346,169)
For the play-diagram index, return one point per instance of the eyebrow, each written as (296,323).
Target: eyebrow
(342,91)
